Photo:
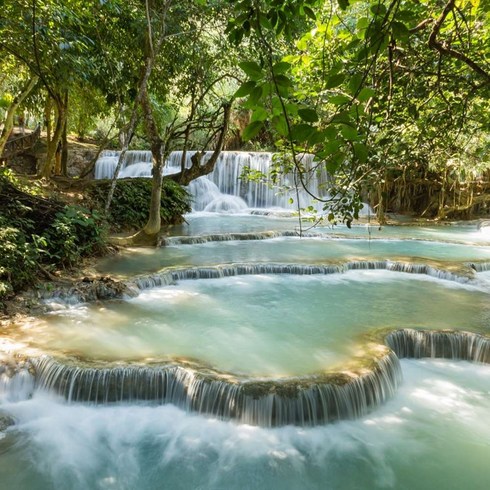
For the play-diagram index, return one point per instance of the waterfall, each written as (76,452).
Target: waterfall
(215,272)
(16,381)
(223,190)
(135,164)
(304,401)
(416,344)
(103,289)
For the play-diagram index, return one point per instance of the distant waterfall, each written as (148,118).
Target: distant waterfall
(223,190)
(135,164)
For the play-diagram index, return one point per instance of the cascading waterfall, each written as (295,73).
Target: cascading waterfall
(216,272)
(304,401)
(135,164)
(101,290)
(223,190)
(417,344)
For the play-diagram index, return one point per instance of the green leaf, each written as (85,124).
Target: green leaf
(365,94)
(252,130)
(334,163)
(281,67)
(316,138)
(252,69)
(400,31)
(308,115)
(245,89)
(264,21)
(361,152)
(348,132)
(280,125)
(301,132)
(343,4)
(283,80)
(335,80)
(259,114)
(309,13)
(354,83)
(255,96)
(329,148)
(378,9)
(339,99)
(362,23)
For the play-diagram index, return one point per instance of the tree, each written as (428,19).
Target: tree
(187,110)
(330,87)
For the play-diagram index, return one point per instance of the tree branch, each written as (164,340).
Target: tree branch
(444,49)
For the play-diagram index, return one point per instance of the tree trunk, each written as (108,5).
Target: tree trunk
(64,142)
(48,165)
(9,120)
(149,234)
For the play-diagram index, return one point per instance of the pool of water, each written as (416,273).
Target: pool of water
(432,434)
(263,325)
(289,250)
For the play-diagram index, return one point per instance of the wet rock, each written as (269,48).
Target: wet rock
(5,421)
(92,289)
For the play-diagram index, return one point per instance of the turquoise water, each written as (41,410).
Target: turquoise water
(262,325)
(434,434)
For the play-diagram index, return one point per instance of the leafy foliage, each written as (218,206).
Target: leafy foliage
(130,205)
(354,81)
(33,240)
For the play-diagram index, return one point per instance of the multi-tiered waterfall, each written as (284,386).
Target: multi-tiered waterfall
(239,355)
(224,189)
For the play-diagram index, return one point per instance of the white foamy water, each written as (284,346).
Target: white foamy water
(433,434)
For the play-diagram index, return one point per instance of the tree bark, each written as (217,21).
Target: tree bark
(9,120)
(48,165)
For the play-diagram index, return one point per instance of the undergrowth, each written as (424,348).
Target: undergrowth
(130,204)
(39,235)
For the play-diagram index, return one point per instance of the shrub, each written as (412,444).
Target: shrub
(131,202)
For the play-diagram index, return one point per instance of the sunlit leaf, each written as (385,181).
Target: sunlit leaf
(365,94)
(339,99)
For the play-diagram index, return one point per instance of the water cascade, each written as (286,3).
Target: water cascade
(147,378)
(306,401)
(223,190)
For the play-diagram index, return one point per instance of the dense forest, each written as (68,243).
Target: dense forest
(390,96)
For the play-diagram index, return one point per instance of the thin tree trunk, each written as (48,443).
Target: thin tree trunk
(64,142)
(9,120)
(149,234)
(47,166)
